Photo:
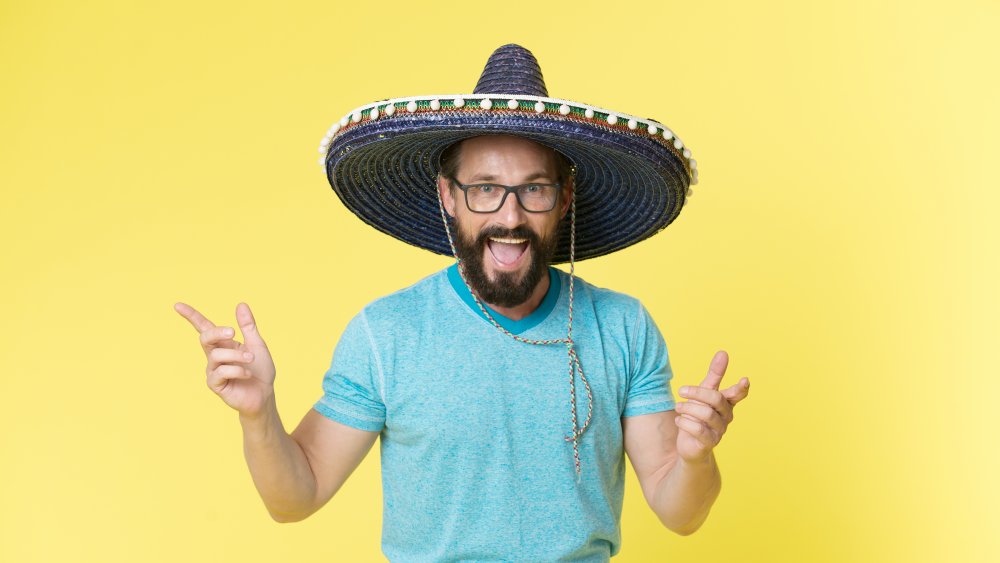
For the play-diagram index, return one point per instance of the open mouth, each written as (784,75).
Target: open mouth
(506,251)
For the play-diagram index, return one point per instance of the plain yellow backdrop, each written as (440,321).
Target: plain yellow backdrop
(841,246)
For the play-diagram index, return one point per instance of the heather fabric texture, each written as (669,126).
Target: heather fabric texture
(475,464)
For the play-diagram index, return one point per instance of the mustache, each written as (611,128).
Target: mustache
(502,232)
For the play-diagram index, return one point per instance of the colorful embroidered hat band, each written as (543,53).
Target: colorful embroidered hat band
(506,103)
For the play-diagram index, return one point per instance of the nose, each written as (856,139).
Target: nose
(511,214)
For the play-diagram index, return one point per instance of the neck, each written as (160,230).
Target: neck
(518,312)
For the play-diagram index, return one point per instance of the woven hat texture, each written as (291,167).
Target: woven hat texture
(632,174)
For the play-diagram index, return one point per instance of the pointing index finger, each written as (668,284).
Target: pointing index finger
(197,320)
(716,370)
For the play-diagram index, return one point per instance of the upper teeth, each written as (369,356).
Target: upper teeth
(509,240)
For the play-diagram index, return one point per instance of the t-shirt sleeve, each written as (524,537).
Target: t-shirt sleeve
(353,387)
(649,382)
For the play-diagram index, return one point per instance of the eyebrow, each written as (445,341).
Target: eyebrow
(492,178)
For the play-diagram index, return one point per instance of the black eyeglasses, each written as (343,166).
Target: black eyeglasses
(488,198)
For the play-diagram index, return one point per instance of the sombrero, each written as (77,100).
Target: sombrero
(633,174)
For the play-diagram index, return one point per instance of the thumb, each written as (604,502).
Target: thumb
(738,392)
(248,326)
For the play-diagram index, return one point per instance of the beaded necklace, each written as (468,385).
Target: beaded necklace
(574,359)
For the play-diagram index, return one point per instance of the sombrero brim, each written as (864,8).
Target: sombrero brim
(632,175)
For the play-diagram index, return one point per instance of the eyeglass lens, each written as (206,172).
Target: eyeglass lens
(533,197)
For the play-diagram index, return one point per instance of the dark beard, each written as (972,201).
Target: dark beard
(505,290)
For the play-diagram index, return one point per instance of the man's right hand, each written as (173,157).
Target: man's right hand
(242,374)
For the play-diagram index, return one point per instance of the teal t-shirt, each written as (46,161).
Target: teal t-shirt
(475,464)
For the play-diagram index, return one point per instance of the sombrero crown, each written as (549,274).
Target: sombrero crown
(632,174)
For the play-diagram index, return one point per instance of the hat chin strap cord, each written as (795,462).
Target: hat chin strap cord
(574,359)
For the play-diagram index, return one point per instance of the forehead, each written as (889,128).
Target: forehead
(505,155)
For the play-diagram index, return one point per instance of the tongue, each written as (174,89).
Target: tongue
(507,253)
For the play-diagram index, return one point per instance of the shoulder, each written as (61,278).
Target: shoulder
(606,302)
(398,306)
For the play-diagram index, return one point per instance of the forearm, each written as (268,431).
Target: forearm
(279,467)
(685,495)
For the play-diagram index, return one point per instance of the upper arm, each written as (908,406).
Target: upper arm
(334,450)
(343,424)
(651,444)
(648,426)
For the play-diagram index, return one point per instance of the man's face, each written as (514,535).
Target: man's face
(505,253)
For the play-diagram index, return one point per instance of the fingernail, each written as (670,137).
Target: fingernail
(247,355)
(684,391)
(227,332)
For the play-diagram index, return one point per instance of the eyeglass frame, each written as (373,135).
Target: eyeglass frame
(507,191)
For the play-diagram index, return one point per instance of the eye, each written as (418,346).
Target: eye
(486,188)
(532,188)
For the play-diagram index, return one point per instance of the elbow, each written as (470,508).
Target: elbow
(285,518)
(286,512)
(681,529)
(289,517)
(685,531)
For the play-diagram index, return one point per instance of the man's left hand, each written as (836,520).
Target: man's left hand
(703,419)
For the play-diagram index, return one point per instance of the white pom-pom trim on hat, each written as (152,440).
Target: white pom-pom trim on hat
(566,107)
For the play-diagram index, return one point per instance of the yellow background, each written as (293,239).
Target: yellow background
(841,246)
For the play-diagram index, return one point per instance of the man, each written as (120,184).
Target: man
(499,440)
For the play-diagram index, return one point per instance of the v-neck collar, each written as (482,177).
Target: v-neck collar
(517,327)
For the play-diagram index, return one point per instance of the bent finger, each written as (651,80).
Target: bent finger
(712,397)
(220,356)
(702,433)
(220,376)
(218,337)
(706,414)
